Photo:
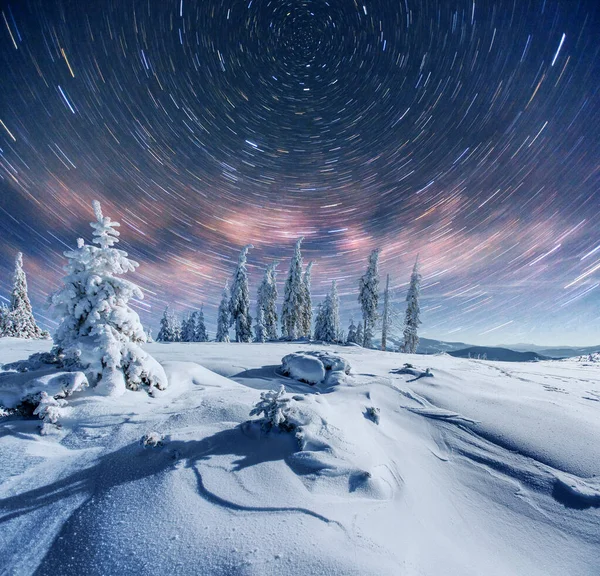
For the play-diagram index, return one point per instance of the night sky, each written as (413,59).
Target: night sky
(467,132)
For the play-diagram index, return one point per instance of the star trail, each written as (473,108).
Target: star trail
(465,131)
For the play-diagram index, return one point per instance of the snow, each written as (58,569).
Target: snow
(304,368)
(486,468)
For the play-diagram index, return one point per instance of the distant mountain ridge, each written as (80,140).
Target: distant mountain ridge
(497,354)
(431,346)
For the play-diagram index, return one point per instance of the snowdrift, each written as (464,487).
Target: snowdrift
(485,468)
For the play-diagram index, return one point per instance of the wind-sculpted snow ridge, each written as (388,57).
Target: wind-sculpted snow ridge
(482,469)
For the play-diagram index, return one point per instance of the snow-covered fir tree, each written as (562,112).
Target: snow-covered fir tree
(412,319)
(368,296)
(19,322)
(386,320)
(239,303)
(168,327)
(359,334)
(351,338)
(266,306)
(99,334)
(327,324)
(223,321)
(188,327)
(4,320)
(177,328)
(291,311)
(306,317)
(201,334)
(260,332)
(319,321)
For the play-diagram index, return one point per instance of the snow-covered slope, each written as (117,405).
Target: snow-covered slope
(486,468)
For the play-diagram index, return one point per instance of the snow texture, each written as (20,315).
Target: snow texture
(488,468)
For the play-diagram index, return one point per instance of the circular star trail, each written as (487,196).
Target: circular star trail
(464,131)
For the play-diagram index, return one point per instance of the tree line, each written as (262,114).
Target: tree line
(296,321)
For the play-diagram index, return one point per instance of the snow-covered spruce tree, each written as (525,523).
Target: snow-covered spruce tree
(359,334)
(413,311)
(239,304)
(351,338)
(306,317)
(20,322)
(291,311)
(320,322)
(201,335)
(368,296)
(188,327)
(177,328)
(333,318)
(168,329)
(327,325)
(266,306)
(386,321)
(223,321)
(4,320)
(260,332)
(98,333)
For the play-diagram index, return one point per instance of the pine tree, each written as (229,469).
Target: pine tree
(200,335)
(239,305)
(223,321)
(266,306)
(306,317)
(291,323)
(177,328)
(351,338)
(320,322)
(260,331)
(98,332)
(188,327)
(327,325)
(413,311)
(334,314)
(359,334)
(4,320)
(368,297)
(168,329)
(20,322)
(386,319)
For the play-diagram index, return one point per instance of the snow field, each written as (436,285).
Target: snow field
(485,468)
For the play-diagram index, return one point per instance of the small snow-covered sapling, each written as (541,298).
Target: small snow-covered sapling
(275,410)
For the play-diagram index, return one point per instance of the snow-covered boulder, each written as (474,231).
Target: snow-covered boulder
(303,367)
(315,367)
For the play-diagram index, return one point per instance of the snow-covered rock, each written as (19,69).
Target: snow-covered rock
(303,367)
(315,367)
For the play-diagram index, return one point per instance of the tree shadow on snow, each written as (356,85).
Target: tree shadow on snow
(133,462)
